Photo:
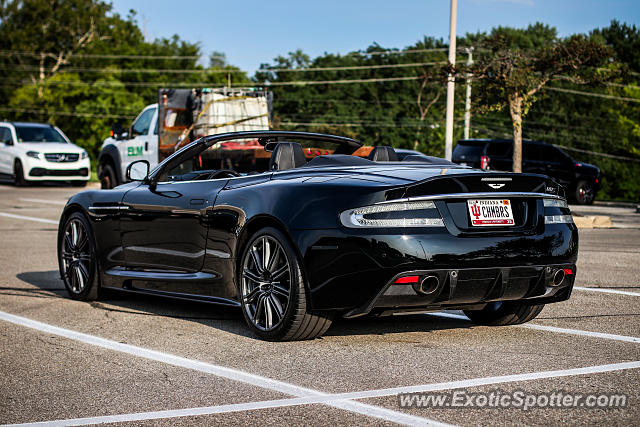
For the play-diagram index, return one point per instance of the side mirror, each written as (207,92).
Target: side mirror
(138,170)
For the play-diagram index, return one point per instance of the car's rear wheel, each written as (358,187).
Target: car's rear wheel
(107,177)
(272,290)
(77,258)
(585,193)
(503,313)
(18,173)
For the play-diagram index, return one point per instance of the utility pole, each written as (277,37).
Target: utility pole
(448,143)
(467,103)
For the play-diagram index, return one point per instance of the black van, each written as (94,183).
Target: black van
(581,180)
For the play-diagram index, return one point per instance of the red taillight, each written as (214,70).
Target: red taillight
(407,279)
(568,271)
(597,181)
(484,162)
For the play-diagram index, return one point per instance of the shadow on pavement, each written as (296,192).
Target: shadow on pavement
(228,319)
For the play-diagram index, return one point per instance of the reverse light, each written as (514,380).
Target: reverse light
(393,214)
(555,203)
(558,219)
(33,154)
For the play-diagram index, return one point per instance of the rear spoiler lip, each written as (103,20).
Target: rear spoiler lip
(500,195)
(400,191)
(491,175)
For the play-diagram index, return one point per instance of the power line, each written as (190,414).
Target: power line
(597,95)
(223,71)
(207,84)
(382,125)
(109,56)
(595,153)
(180,57)
(328,82)
(64,113)
(398,52)
(126,71)
(351,67)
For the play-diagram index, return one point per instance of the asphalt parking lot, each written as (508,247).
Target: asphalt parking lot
(152,361)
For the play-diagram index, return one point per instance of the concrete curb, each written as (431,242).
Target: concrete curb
(615,204)
(593,221)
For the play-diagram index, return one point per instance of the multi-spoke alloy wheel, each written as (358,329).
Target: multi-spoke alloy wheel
(272,290)
(266,283)
(77,258)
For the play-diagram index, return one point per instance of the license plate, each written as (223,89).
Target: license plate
(485,213)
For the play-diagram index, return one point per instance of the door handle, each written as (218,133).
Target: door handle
(146,146)
(196,201)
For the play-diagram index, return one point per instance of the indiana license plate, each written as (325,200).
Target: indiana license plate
(484,213)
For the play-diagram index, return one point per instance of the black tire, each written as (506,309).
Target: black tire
(18,173)
(277,292)
(585,193)
(503,313)
(77,259)
(79,183)
(107,177)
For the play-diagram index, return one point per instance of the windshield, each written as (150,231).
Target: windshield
(38,134)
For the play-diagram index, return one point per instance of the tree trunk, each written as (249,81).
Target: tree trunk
(515,109)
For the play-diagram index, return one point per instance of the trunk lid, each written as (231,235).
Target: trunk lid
(451,193)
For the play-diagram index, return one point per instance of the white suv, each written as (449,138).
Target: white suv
(41,152)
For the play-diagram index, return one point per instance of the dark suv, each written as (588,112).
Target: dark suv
(581,180)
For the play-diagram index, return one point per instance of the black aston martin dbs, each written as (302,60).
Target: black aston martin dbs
(338,235)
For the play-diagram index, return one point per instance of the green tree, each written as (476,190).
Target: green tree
(511,77)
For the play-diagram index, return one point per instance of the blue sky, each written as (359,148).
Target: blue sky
(252,32)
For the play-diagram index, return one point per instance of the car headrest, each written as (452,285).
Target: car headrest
(287,155)
(383,154)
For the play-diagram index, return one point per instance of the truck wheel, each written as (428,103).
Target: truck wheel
(585,194)
(107,177)
(503,313)
(18,173)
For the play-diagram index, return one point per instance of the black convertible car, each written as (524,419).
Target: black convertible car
(338,235)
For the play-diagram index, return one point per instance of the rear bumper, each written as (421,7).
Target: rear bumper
(457,288)
(350,271)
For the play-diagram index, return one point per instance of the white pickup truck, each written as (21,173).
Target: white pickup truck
(179,117)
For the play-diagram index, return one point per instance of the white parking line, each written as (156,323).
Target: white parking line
(28,218)
(589,334)
(340,397)
(555,329)
(607,291)
(51,202)
(221,371)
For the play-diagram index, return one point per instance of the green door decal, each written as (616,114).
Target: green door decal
(134,151)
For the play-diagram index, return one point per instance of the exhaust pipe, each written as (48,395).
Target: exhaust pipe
(428,285)
(558,277)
